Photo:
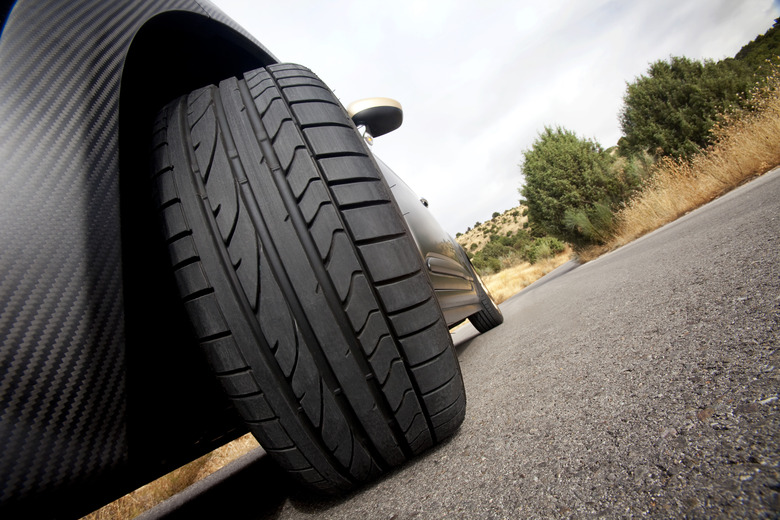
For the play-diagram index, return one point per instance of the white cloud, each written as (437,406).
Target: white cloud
(478,81)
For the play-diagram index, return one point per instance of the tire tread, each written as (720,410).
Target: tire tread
(265,176)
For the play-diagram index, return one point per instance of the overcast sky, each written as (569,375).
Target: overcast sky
(478,80)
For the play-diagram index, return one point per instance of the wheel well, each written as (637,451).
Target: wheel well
(175,409)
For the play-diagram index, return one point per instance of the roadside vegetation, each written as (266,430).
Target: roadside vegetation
(692,130)
(508,282)
(747,144)
(505,241)
(508,255)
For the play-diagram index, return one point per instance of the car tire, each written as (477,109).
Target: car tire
(301,279)
(490,316)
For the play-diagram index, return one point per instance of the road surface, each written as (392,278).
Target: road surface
(644,383)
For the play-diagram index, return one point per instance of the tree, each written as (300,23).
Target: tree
(566,174)
(672,109)
(765,47)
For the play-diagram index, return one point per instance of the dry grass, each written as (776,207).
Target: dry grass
(510,281)
(148,496)
(748,145)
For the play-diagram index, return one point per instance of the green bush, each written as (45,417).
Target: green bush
(486,265)
(556,246)
(596,223)
(495,249)
(542,248)
(520,245)
(521,238)
(672,109)
(573,186)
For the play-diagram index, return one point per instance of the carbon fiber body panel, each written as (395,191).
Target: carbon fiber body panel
(89,410)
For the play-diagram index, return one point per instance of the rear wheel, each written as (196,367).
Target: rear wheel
(490,316)
(301,279)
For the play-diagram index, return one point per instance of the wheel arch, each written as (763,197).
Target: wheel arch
(172,54)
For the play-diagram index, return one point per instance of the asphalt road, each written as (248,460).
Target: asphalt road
(644,383)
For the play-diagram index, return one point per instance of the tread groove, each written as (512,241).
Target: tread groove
(186,262)
(351,180)
(197,294)
(351,289)
(321,205)
(329,253)
(304,101)
(248,394)
(178,236)
(430,361)
(306,126)
(433,390)
(401,278)
(418,331)
(235,371)
(329,155)
(168,203)
(159,173)
(365,204)
(379,240)
(218,335)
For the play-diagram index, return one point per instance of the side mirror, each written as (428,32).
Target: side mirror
(379,115)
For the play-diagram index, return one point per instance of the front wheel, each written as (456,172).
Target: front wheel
(301,278)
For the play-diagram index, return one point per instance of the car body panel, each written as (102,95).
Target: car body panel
(85,399)
(448,268)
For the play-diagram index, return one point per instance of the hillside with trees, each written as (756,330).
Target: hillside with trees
(578,193)
(679,111)
(505,241)
(671,111)
(765,47)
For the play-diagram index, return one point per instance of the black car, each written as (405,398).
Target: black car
(196,242)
